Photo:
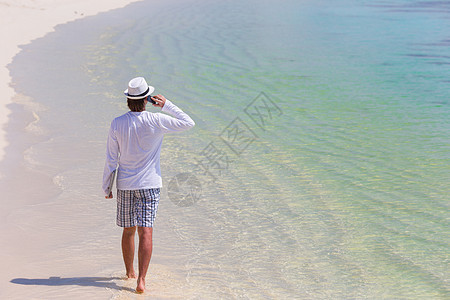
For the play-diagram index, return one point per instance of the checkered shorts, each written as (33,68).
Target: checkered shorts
(137,208)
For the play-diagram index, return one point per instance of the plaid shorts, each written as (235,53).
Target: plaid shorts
(137,208)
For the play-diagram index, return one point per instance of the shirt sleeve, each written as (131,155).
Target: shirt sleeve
(112,157)
(178,121)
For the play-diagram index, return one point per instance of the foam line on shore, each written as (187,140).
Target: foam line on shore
(23,21)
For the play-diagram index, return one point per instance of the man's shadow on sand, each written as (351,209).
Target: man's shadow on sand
(103,282)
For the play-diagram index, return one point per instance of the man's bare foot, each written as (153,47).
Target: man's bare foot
(131,275)
(140,285)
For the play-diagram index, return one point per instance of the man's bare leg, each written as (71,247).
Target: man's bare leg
(144,255)
(128,250)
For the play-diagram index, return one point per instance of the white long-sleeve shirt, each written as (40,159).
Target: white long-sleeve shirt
(134,144)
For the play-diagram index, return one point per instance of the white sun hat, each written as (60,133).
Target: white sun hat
(138,89)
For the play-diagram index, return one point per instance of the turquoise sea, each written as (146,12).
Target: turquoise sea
(319,167)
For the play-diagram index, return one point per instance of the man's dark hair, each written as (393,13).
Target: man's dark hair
(136,105)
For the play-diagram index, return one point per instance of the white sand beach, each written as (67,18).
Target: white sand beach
(320,152)
(22,21)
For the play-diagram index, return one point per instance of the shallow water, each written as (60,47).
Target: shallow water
(319,165)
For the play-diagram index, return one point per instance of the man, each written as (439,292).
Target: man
(134,145)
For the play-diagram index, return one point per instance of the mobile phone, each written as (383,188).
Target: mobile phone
(151,100)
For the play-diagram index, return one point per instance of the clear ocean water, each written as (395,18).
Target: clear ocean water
(319,166)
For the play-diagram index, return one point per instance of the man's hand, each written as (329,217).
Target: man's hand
(109,196)
(160,100)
